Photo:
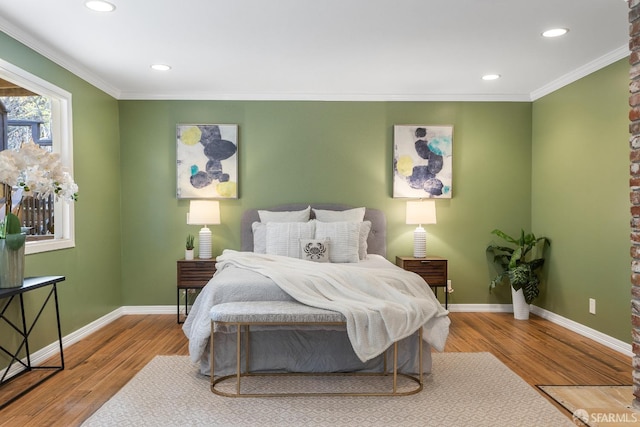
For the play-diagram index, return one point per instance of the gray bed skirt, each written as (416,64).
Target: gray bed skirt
(310,350)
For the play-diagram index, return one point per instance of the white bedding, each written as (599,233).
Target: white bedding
(382,302)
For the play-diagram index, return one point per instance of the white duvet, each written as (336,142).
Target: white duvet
(381,305)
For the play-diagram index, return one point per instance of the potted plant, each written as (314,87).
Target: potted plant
(519,265)
(188,253)
(12,242)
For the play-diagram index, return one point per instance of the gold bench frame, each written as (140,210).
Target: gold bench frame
(239,374)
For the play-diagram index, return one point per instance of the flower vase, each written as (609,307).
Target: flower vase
(520,306)
(12,261)
(188,254)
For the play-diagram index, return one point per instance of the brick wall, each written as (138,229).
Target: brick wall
(634,185)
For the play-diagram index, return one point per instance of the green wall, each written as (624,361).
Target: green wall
(580,198)
(324,152)
(558,166)
(93,285)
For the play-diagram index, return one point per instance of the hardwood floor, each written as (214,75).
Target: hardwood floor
(98,366)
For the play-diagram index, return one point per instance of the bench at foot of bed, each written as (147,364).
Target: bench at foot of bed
(243,315)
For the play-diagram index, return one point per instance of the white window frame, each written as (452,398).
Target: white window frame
(62,143)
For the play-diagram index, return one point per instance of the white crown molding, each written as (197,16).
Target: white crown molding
(57,57)
(70,65)
(581,72)
(358,97)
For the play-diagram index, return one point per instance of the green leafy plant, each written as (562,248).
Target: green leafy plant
(519,265)
(190,239)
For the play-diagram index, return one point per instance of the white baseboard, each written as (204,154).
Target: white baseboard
(585,331)
(150,309)
(481,308)
(53,349)
(38,357)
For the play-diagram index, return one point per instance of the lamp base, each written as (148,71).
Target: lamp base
(419,243)
(204,246)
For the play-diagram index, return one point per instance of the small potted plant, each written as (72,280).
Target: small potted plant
(520,267)
(188,253)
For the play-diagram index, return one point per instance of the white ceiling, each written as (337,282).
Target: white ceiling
(324,49)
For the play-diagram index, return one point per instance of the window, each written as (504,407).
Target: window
(53,130)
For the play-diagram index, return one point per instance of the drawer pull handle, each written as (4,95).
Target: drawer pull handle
(425,262)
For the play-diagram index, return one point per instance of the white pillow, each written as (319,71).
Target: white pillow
(283,238)
(286,216)
(315,250)
(259,237)
(356,214)
(365,228)
(344,239)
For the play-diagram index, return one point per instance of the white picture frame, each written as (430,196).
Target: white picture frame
(207,161)
(422,161)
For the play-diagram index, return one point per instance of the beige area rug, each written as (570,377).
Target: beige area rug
(596,406)
(466,389)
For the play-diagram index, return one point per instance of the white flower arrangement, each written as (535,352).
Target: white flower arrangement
(37,172)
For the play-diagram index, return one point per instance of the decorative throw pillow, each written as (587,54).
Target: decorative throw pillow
(356,214)
(283,238)
(259,237)
(344,239)
(315,250)
(286,216)
(365,228)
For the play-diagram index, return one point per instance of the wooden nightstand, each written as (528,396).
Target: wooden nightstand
(193,274)
(432,269)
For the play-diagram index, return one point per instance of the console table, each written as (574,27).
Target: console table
(24,330)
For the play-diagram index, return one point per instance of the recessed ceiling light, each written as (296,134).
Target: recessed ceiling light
(491,77)
(555,32)
(100,5)
(161,67)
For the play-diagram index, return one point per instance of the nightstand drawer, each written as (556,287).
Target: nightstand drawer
(193,275)
(195,272)
(433,271)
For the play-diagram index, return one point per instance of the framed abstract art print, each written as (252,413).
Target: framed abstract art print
(207,161)
(422,159)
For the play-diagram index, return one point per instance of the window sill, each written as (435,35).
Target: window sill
(48,245)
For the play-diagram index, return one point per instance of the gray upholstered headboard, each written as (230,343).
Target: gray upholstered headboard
(377,242)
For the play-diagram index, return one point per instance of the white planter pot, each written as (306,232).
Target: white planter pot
(188,254)
(520,306)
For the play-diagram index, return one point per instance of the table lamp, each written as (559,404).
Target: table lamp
(204,212)
(420,212)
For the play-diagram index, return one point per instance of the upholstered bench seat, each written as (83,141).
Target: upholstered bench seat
(273,312)
(244,314)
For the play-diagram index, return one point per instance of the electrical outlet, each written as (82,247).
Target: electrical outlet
(592,306)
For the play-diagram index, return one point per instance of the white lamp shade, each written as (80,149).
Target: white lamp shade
(421,212)
(204,212)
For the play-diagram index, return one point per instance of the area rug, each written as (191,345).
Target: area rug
(605,405)
(465,389)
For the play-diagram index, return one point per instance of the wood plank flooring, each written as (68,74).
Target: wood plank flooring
(98,366)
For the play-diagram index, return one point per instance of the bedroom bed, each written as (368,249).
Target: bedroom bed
(382,302)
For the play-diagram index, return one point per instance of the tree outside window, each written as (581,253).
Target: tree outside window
(32,109)
(28,118)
